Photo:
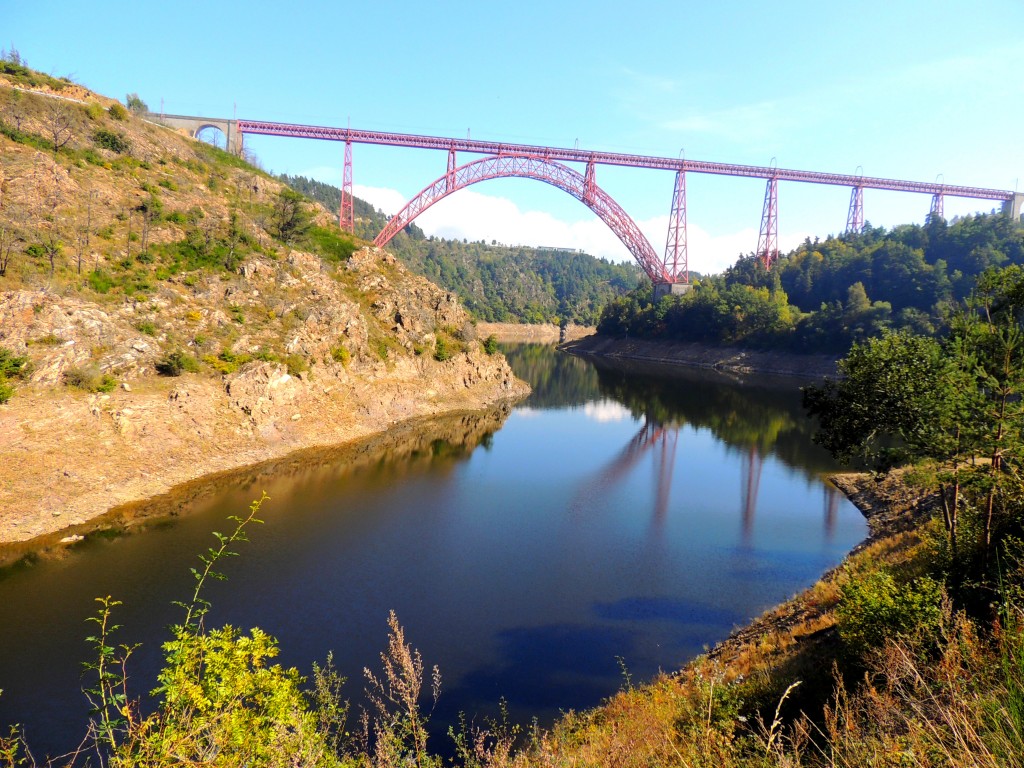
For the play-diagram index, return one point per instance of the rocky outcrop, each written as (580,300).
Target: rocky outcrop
(271,381)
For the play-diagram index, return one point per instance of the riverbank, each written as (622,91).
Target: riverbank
(731,359)
(71,454)
(783,662)
(540,333)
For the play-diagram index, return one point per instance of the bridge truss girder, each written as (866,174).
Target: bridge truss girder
(582,187)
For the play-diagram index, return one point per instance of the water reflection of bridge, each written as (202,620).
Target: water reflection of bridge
(660,441)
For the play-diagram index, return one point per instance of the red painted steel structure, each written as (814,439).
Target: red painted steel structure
(768,239)
(676,258)
(582,187)
(855,219)
(591,159)
(346,214)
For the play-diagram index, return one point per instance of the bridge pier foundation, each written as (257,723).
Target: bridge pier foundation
(1013,206)
(671,289)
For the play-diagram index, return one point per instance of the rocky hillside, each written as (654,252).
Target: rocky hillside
(179,312)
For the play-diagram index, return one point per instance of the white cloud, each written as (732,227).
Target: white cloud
(607,410)
(390,201)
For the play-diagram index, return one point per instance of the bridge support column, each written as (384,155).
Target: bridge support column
(937,206)
(768,239)
(233,139)
(675,243)
(346,213)
(1013,206)
(855,219)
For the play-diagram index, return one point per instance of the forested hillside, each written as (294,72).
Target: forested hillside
(824,295)
(496,283)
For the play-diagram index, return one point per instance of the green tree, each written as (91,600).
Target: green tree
(135,104)
(291,219)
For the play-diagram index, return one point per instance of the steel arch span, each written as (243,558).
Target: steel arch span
(565,178)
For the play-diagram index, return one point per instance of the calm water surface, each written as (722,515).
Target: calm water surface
(616,514)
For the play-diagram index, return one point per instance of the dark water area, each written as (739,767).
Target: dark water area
(619,517)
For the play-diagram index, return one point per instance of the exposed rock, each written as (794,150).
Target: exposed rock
(80,454)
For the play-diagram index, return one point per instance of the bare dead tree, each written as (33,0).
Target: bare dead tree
(9,242)
(58,123)
(14,109)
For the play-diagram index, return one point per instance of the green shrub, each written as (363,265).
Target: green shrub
(115,142)
(6,390)
(330,244)
(90,379)
(49,340)
(100,281)
(94,111)
(442,350)
(340,354)
(147,327)
(296,364)
(227,361)
(176,363)
(491,344)
(11,365)
(875,607)
(237,314)
(117,112)
(90,156)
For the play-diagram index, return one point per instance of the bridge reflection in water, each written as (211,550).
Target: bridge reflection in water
(660,441)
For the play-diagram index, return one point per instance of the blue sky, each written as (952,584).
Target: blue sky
(900,88)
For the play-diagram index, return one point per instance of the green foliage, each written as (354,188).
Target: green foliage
(135,104)
(100,281)
(958,403)
(875,608)
(24,137)
(11,365)
(291,219)
(89,378)
(823,296)
(176,363)
(227,362)
(443,349)
(340,354)
(147,327)
(296,364)
(896,399)
(330,244)
(117,112)
(490,344)
(115,142)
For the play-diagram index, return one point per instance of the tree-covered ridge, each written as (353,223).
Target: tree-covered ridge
(496,283)
(824,295)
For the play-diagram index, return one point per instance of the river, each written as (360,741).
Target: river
(616,522)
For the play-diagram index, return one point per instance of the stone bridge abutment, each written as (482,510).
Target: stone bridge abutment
(193,125)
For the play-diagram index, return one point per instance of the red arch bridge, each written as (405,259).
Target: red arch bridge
(547,164)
